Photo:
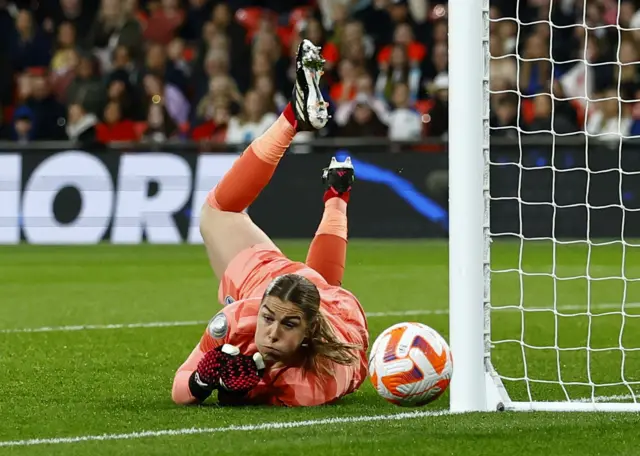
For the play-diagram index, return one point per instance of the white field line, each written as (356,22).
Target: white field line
(165,324)
(400,313)
(614,398)
(258,427)
(235,428)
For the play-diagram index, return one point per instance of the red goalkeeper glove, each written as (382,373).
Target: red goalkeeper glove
(227,369)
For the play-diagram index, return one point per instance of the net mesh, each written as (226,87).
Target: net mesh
(565,200)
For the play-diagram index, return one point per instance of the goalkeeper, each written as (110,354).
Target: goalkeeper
(289,334)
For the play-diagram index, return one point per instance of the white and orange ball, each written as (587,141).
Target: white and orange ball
(410,364)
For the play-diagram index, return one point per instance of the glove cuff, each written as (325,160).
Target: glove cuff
(198,389)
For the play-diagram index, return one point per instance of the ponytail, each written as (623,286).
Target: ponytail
(324,347)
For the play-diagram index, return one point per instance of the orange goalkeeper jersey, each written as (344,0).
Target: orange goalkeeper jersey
(242,288)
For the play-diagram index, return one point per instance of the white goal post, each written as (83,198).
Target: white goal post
(481,380)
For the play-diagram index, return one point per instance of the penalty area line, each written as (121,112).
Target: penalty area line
(235,428)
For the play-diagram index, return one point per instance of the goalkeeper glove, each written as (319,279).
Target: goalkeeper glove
(225,368)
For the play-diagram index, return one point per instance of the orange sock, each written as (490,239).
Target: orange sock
(253,170)
(328,250)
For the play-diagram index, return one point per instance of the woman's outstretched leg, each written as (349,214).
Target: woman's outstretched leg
(328,250)
(226,230)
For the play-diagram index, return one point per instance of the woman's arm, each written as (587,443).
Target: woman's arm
(181,393)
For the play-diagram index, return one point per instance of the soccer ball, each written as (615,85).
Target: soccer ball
(410,364)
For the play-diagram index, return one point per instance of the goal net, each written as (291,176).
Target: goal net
(563,331)
(544,204)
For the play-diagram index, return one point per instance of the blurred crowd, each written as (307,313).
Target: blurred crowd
(567,66)
(101,71)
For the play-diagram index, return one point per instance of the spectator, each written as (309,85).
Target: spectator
(438,63)
(223,89)
(403,36)
(216,65)
(627,77)
(195,18)
(503,66)
(23,125)
(584,77)
(48,113)
(81,126)
(214,127)
(86,88)
(345,89)
(608,119)
(157,63)
(177,61)
(404,122)
(29,47)
(265,86)
(76,12)
(115,26)
(164,23)
(115,128)
(535,70)
(160,125)
(546,120)
(63,54)
(268,44)
(352,33)
(364,88)
(224,22)
(439,114)
(62,79)
(440,32)
(253,120)
(399,70)
(363,121)
(504,118)
(124,94)
(175,104)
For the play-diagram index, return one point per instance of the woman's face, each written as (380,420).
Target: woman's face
(261,65)
(347,70)
(628,53)
(264,85)
(112,113)
(110,8)
(116,90)
(314,31)
(219,86)
(280,330)
(66,34)
(403,34)
(221,116)
(253,104)
(398,57)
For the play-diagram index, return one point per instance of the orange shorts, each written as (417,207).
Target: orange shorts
(253,269)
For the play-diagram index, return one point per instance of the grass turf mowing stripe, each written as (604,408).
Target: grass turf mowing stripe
(234,428)
(401,313)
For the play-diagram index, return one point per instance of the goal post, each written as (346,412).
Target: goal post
(542,319)
(467,249)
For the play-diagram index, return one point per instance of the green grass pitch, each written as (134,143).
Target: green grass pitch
(66,384)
